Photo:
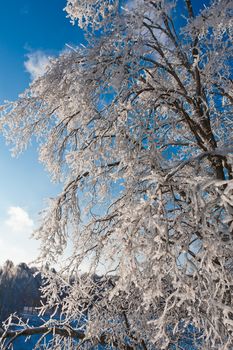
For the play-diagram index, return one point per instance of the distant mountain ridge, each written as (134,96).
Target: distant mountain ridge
(19,287)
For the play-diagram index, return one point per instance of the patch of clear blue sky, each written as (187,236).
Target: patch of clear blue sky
(27,26)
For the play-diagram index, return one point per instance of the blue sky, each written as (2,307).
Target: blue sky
(27,26)
(30,30)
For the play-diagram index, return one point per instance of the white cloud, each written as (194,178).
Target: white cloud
(16,243)
(36,64)
(18,220)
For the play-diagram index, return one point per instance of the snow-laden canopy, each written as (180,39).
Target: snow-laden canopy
(138,127)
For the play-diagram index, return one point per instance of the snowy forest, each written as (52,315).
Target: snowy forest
(137,126)
(19,287)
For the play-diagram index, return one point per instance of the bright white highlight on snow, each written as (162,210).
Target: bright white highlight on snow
(19,220)
(36,64)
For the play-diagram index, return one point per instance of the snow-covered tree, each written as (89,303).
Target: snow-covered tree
(138,127)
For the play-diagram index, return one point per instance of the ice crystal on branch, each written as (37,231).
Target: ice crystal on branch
(93,13)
